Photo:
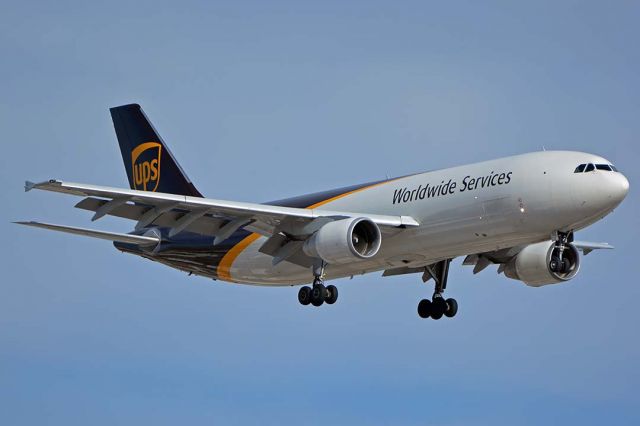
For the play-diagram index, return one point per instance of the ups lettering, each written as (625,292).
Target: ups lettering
(145,173)
(145,161)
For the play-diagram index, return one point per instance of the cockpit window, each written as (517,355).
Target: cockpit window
(591,167)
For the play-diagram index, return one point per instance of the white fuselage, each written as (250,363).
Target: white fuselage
(463,210)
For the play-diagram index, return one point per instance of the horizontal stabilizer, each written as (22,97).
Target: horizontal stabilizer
(111,236)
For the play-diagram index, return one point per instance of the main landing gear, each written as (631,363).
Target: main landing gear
(318,293)
(438,307)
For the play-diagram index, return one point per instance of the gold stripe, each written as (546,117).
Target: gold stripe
(337,197)
(224,268)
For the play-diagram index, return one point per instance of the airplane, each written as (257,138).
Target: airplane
(519,212)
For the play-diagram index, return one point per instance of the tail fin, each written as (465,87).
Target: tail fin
(149,163)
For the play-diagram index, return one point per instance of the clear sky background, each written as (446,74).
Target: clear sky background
(264,100)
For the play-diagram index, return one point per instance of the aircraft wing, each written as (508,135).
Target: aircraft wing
(104,235)
(587,247)
(206,216)
(481,261)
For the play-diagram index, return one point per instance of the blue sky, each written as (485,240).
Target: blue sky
(264,100)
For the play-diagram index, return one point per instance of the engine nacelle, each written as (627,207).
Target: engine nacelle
(531,265)
(345,240)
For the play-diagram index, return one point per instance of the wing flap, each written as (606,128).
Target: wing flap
(178,219)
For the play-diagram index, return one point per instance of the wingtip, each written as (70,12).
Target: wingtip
(28,185)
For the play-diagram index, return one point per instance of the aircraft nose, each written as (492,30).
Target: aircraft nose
(619,188)
(616,187)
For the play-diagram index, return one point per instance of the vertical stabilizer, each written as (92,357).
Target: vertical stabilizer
(149,163)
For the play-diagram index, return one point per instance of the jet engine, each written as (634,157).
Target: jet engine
(344,241)
(542,264)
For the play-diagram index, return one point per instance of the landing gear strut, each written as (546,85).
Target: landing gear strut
(558,263)
(318,293)
(438,307)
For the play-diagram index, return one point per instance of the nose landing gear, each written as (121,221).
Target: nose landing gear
(438,306)
(558,263)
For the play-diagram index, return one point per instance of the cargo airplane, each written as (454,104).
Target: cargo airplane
(518,212)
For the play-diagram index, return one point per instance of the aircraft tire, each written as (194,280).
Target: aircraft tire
(304,295)
(424,308)
(438,308)
(452,308)
(332,295)
(318,293)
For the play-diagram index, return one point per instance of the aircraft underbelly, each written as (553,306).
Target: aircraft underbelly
(259,269)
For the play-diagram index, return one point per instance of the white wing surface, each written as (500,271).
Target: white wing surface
(206,216)
(104,235)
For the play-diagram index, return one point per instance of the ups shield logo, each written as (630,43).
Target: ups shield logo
(145,161)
